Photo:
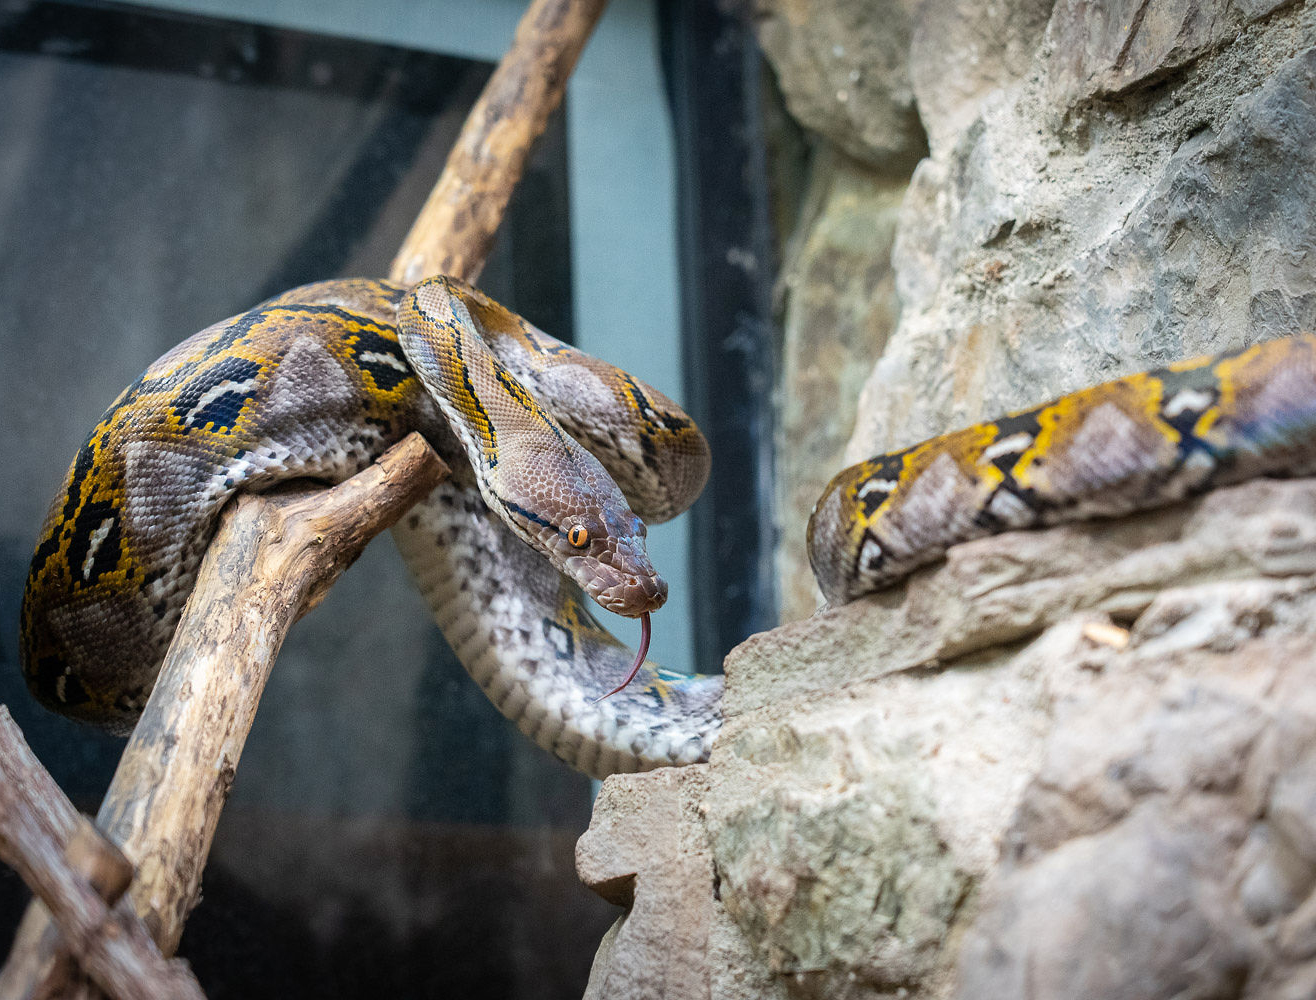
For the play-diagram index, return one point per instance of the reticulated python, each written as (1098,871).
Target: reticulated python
(1142,441)
(320,380)
(317,383)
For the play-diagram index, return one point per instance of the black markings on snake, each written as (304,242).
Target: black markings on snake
(217,395)
(1184,398)
(518,392)
(532,336)
(381,359)
(529,515)
(473,400)
(881,483)
(94,547)
(560,638)
(1014,435)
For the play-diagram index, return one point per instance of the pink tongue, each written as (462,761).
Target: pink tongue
(639,657)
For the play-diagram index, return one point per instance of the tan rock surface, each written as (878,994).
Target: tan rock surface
(1108,739)
(1068,763)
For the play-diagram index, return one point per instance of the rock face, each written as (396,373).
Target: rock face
(1108,190)
(843,69)
(1078,762)
(1142,194)
(842,309)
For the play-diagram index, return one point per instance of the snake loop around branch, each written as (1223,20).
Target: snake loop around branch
(316,383)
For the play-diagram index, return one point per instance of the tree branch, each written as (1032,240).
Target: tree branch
(78,875)
(455,230)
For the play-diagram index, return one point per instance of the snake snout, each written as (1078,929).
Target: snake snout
(634,595)
(623,591)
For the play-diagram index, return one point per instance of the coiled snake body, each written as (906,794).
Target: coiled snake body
(320,380)
(316,383)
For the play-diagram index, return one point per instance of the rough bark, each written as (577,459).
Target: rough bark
(79,876)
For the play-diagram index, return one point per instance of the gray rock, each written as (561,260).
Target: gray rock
(842,66)
(840,307)
(961,54)
(1109,792)
(1115,46)
(1078,762)
(1046,251)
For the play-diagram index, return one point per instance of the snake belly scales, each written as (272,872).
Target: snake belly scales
(317,383)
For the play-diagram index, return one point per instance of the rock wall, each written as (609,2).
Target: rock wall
(1109,187)
(1078,762)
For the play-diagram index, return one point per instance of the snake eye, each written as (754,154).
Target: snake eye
(578,536)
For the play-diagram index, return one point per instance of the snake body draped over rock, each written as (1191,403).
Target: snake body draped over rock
(315,383)
(1142,441)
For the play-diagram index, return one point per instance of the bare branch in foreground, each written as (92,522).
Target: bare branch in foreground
(78,875)
(273,558)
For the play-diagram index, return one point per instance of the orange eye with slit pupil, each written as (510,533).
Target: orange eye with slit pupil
(578,536)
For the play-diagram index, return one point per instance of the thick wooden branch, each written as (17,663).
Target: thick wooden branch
(78,876)
(272,559)
(455,230)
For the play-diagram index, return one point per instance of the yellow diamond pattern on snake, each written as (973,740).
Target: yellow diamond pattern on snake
(1141,441)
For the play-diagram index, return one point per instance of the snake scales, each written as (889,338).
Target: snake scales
(319,381)
(1142,441)
(316,383)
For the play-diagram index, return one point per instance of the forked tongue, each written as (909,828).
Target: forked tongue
(639,658)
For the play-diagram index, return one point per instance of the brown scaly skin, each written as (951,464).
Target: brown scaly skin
(315,383)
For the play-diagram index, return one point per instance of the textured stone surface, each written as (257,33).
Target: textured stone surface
(963,54)
(644,854)
(1045,248)
(1100,49)
(1112,797)
(1078,762)
(840,307)
(1171,821)
(842,66)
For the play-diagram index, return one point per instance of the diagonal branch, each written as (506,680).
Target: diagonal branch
(79,876)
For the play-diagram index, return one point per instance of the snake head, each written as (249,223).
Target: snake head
(541,481)
(580,520)
(610,562)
